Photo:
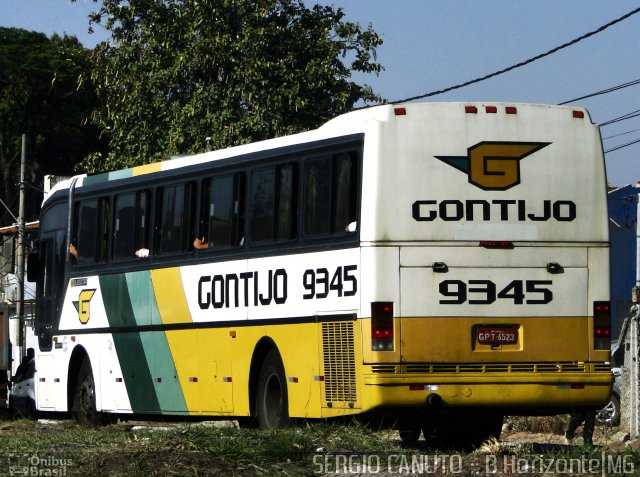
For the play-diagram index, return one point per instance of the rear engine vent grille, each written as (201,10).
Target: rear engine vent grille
(338,353)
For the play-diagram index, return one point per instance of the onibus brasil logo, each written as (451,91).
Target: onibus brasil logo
(493,165)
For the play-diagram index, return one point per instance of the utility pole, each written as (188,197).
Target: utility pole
(20,250)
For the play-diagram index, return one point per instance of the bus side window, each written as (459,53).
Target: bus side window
(331,195)
(274,203)
(223,206)
(141,238)
(131,213)
(202,237)
(91,231)
(175,218)
(317,205)
(344,211)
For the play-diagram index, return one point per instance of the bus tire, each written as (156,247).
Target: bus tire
(84,399)
(272,404)
(467,431)
(409,436)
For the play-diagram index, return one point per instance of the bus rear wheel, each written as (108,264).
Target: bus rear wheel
(84,399)
(468,430)
(272,405)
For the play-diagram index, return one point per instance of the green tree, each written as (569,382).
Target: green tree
(43,95)
(184,76)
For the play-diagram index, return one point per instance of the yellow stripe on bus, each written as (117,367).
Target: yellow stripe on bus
(147,169)
(173,308)
(172,302)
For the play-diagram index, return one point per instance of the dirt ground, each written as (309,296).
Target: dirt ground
(607,440)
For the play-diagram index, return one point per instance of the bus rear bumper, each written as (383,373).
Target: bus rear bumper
(515,393)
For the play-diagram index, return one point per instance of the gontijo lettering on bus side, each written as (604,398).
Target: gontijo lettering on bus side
(269,287)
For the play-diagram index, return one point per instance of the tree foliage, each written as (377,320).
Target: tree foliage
(43,93)
(183,76)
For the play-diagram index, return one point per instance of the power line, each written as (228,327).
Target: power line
(621,134)
(624,117)
(8,210)
(604,91)
(631,143)
(522,63)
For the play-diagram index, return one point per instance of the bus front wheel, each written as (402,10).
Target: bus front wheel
(272,405)
(84,400)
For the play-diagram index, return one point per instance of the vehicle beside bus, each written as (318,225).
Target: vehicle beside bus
(437,264)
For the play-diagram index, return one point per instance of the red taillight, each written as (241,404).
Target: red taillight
(511,110)
(491,109)
(382,326)
(601,325)
(578,114)
(400,111)
(496,244)
(471,109)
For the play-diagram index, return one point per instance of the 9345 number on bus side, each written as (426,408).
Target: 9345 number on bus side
(320,282)
(486,292)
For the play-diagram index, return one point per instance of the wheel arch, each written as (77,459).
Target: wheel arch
(262,348)
(78,355)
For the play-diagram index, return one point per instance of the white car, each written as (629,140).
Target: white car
(609,415)
(22,396)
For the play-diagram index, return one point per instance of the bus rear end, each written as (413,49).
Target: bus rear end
(484,262)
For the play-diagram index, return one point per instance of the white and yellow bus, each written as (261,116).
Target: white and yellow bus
(439,264)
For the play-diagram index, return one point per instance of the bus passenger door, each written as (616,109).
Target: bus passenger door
(50,287)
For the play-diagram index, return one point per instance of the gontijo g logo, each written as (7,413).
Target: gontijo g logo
(82,305)
(493,165)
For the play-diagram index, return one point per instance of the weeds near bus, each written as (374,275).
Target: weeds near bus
(535,424)
(318,449)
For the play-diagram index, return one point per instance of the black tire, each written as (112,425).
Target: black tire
(409,436)
(411,426)
(468,430)
(84,399)
(610,414)
(272,403)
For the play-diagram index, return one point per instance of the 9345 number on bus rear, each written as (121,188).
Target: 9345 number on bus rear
(487,292)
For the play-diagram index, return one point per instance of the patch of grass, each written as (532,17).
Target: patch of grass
(207,450)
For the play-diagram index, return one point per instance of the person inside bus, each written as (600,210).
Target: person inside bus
(201,244)
(73,252)
(142,253)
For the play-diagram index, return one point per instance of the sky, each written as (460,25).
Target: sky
(430,45)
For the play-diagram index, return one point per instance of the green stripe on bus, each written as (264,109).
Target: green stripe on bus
(107,176)
(129,347)
(156,348)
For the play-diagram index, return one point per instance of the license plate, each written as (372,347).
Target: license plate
(496,335)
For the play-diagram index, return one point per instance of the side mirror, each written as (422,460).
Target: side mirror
(33,266)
